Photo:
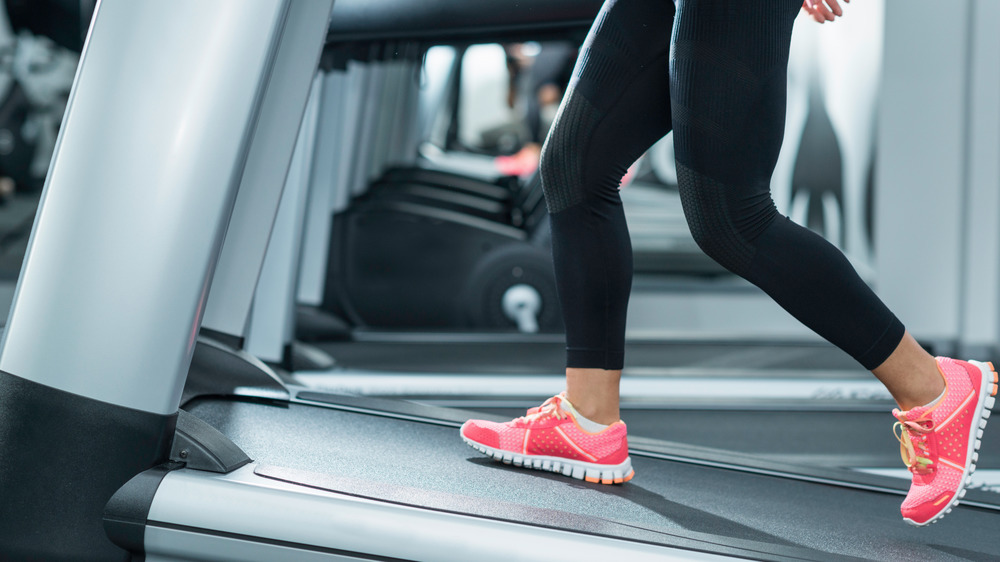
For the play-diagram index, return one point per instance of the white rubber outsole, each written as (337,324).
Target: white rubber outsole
(987,398)
(596,473)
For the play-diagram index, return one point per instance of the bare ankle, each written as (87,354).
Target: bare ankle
(604,414)
(911,375)
(594,393)
(931,389)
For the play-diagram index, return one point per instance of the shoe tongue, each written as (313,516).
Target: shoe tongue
(565,406)
(917,414)
(547,410)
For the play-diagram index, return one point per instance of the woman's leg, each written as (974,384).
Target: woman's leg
(616,107)
(728,81)
(728,98)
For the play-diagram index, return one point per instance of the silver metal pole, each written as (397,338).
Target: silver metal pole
(357,94)
(112,289)
(328,160)
(242,257)
(137,198)
(272,322)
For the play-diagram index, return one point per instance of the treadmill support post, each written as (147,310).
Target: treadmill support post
(125,242)
(252,224)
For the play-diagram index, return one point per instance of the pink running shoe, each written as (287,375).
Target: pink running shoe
(548,438)
(938,443)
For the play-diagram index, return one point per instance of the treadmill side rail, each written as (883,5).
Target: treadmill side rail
(196,516)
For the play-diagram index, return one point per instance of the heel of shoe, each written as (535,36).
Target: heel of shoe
(990,383)
(993,385)
(989,392)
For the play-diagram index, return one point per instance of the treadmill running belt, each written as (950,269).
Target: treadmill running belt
(665,497)
(548,355)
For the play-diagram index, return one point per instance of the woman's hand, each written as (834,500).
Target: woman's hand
(822,11)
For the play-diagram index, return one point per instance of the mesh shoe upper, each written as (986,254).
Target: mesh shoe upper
(551,431)
(935,441)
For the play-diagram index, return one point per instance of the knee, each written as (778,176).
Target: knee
(560,191)
(562,161)
(723,225)
(552,166)
(713,231)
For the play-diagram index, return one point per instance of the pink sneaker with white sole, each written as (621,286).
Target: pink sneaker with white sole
(939,443)
(549,438)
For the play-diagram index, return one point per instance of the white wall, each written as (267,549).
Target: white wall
(937,184)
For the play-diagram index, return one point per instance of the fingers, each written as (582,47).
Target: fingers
(813,12)
(816,16)
(822,12)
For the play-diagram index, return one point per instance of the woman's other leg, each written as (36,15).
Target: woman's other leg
(617,105)
(728,88)
(728,81)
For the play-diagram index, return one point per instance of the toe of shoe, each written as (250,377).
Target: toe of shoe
(481,432)
(920,513)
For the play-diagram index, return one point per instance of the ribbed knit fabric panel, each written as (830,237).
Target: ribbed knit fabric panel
(724,229)
(577,161)
(727,93)
(562,172)
(728,68)
(625,36)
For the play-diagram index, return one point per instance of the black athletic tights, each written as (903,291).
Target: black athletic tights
(715,72)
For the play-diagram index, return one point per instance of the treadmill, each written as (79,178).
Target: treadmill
(101,463)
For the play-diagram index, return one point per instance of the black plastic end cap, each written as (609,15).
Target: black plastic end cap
(127,511)
(202,447)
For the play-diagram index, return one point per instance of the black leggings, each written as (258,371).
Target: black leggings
(715,72)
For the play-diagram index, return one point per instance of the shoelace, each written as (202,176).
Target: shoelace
(550,407)
(912,433)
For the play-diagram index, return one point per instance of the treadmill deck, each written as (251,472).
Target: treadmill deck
(383,454)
